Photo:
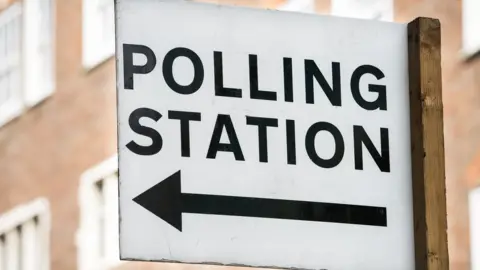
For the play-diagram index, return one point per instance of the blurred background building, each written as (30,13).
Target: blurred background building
(58,182)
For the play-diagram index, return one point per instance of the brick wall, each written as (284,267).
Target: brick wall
(45,150)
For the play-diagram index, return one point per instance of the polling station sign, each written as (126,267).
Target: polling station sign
(262,138)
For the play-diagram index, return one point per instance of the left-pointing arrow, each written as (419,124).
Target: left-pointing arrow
(166,201)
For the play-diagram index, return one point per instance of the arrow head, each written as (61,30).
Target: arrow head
(164,200)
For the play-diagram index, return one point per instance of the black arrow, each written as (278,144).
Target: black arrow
(166,201)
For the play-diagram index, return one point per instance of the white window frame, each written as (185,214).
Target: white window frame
(382,10)
(474,214)
(88,234)
(96,50)
(38,87)
(13,106)
(470,28)
(23,215)
(306,6)
(37,72)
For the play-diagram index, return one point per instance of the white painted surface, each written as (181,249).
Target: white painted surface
(10,63)
(474,206)
(39,50)
(27,57)
(98,32)
(97,235)
(271,35)
(25,236)
(470,26)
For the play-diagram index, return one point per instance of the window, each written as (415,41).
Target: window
(98,31)
(38,18)
(307,6)
(364,9)
(10,62)
(97,237)
(471,24)
(25,237)
(474,205)
(26,56)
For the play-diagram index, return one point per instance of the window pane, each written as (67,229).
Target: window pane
(29,246)
(2,253)
(38,80)
(4,94)
(2,47)
(107,19)
(14,82)
(12,250)
(20,247)
(46,18)
(10,38)
(111,218)
(46,42)
(100,217)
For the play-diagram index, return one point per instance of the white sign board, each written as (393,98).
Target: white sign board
(262,138)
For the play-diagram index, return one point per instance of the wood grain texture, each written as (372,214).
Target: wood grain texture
(427,144)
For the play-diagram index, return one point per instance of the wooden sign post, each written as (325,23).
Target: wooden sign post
(428,161)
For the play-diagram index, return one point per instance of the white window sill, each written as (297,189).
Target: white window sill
(14,109)
(9,111)
(37,97)
(89,65)
(23,212)
(468,55)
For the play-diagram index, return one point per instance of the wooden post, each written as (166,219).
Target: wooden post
(426,131)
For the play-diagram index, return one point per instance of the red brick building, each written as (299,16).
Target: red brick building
(58,126)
